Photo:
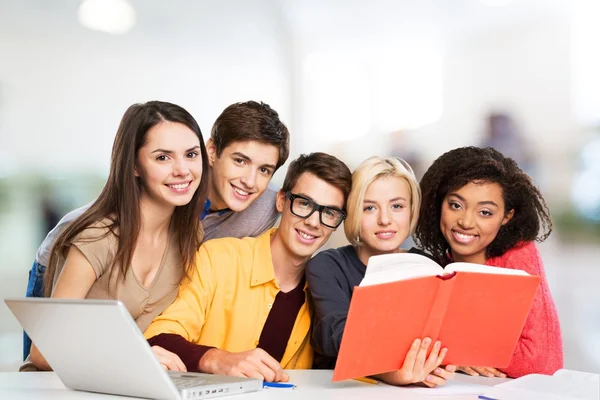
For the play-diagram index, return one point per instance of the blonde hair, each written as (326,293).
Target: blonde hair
(371,169)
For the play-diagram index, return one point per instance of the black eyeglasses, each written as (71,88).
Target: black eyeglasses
(304,207)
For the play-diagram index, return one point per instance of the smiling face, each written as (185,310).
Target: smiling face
(385,221)
(241,173)
(300,237)
(169,164)
(471,218)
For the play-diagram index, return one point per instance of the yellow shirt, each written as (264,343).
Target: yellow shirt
(226,301)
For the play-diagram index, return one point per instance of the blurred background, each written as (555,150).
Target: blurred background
(353,78)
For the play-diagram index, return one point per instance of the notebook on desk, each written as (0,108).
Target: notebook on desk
(95,346)
(563,385)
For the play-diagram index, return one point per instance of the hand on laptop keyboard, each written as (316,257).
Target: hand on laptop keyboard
(255,363)
(170,361)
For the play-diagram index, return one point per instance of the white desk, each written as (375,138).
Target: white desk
(313,385)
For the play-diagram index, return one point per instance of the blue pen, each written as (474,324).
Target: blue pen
(482,397)
(279,385)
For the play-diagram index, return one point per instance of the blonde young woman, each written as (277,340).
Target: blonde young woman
(383,209)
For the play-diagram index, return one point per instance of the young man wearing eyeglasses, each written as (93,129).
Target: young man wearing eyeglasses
(244,311)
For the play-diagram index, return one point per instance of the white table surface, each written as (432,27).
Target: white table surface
(313,385)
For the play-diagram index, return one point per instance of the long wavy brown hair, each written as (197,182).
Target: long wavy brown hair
(119,201)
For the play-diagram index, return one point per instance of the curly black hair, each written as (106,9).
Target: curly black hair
(458,167)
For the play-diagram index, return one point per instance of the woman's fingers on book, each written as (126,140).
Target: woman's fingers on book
(408,366)
(420,365)
(414,368)
(467,370)
(421,354)
(443,373)
(436,356)
(497,372)
(441,356)
(451,368)
(411,356)
(489,372)
(502,374)
(439,376)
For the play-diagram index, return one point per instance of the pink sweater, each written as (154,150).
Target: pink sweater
(540,348)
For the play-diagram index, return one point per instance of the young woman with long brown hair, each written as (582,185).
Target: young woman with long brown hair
(139,238)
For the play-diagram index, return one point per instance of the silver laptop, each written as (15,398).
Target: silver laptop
(94,345)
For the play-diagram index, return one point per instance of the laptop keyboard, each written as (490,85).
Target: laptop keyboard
(187,381)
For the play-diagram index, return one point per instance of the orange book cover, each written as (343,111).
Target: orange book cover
(477,316)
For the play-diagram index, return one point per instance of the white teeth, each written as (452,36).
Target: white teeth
(385,234)
(463,236)
(305,235)
(180,185)
(241,192)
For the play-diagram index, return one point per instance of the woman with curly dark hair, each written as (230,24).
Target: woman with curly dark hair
(480,207)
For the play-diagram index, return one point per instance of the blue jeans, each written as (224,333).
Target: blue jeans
(35,288)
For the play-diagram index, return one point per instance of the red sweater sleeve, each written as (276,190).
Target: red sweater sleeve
(540,348)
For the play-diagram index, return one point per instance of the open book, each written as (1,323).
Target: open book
(476,311)
(563,385)
(402,266)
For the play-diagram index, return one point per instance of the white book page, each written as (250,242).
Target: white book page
(501,393)
(584,384)
(484,269)
(399,266)
(565,384)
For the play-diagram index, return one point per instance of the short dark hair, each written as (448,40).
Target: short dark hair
(251,120)
(458,167)
(323,166)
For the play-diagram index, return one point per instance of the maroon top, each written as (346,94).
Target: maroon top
(280,322)
(190,353)
(273,338)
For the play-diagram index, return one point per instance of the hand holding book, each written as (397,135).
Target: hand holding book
(482,371)
(408,296)
(417,364)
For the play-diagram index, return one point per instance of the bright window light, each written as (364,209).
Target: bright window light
(585,65)
(585,194)
(347,95)
(336,98)
(407,90)
(111,16)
